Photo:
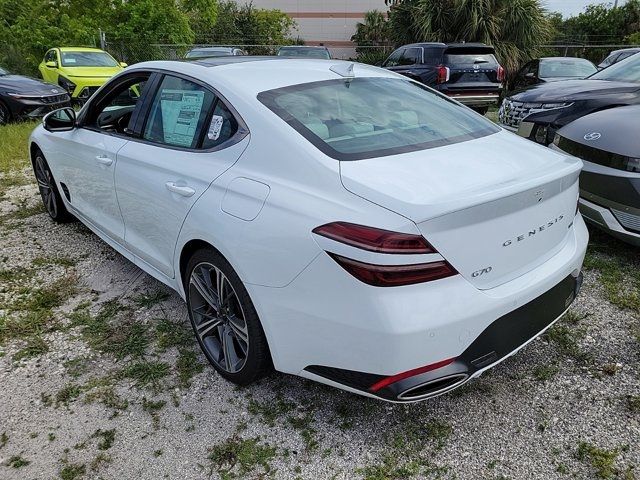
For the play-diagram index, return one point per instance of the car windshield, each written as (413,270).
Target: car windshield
(576,68)
(88,59)
(627,70)
(304,52)
(353,119)
(3,72)
(221,52)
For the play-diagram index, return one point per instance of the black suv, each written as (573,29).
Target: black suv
(467,72)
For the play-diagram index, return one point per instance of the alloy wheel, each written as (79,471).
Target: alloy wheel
(46,186)
(218,317)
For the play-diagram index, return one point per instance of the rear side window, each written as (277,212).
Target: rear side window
(360,118)
(484,60)
(411,56)
(222,127)
(178,113)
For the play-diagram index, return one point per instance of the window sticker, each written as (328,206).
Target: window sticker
(180,114)
(215,128)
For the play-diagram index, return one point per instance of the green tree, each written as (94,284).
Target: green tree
(372,37)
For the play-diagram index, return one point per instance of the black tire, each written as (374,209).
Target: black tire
(257,359)
(51,198)
(5,114)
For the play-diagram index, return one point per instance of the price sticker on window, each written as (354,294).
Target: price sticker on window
(215,128)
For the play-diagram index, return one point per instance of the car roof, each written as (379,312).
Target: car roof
(213,48)
(317,47)
(246,76)
(564,58)
(79,49)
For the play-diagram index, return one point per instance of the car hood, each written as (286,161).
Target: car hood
(90,72)
(571,90)
(21,84)
(615,130)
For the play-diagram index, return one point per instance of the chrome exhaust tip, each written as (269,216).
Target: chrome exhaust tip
(433,388)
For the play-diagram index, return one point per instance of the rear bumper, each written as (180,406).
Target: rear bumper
(471,100)
(501,339)
(327,326)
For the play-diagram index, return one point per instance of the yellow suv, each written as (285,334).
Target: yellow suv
(79,70)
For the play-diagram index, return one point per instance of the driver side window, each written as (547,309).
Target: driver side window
(113,112)
(394,58)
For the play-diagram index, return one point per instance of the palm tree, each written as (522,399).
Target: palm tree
(516,28)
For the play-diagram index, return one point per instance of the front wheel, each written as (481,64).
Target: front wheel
(224,319)
(49,193)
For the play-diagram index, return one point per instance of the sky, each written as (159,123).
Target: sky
(573,7)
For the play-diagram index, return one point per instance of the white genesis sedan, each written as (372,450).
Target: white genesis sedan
(327,219)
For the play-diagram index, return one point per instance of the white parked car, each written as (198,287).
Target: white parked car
(334,221)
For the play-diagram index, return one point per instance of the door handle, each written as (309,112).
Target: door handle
(104,160)
(179,189)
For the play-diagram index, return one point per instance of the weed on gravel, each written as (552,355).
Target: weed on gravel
(239,457)
(603,461)
(17,461)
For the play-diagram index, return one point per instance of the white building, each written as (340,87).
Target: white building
(326,22)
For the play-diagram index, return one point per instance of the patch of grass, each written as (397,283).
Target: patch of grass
(618,270)
(148,300)
(4,438)
(545,372)
(35,347)
(13,179)
(76,367)
(158,453)
(100,460)
(153,408)
(391,467)
(603,461)
(270,411)
(565,340)
(73,471)
(108,397)
(106,437)
(146,373)
(14,154)
(187,367)
(438,431)
(62,261)
(50,296)
(17,461)
(633,403)
(242,455)
(67,394)
(170,335)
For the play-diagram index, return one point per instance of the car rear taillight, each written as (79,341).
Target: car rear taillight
(375,239)
(501,74)
(443,74)
(387,242)
(395,275)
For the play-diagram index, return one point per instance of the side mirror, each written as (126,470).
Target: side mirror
(61,120)
(51,64)
(123,64)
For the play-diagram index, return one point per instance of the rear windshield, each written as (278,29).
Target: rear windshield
(483,59)
(354,119)
(88,59)
(627,70)
(578,68)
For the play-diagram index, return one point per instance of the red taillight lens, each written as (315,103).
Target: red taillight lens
(395,275)
(374,239)
(385,382)
(501,74)
(443,74)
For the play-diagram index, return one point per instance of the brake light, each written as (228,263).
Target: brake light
(395,275)
(501,74)
(385,382)
(443,74)
(375,239)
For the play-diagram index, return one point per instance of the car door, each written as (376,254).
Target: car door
(50,73)
(87,155)
(190,137)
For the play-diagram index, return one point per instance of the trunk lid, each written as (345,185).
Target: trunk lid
(495,207)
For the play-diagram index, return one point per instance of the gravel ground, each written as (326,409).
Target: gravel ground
(138,401)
